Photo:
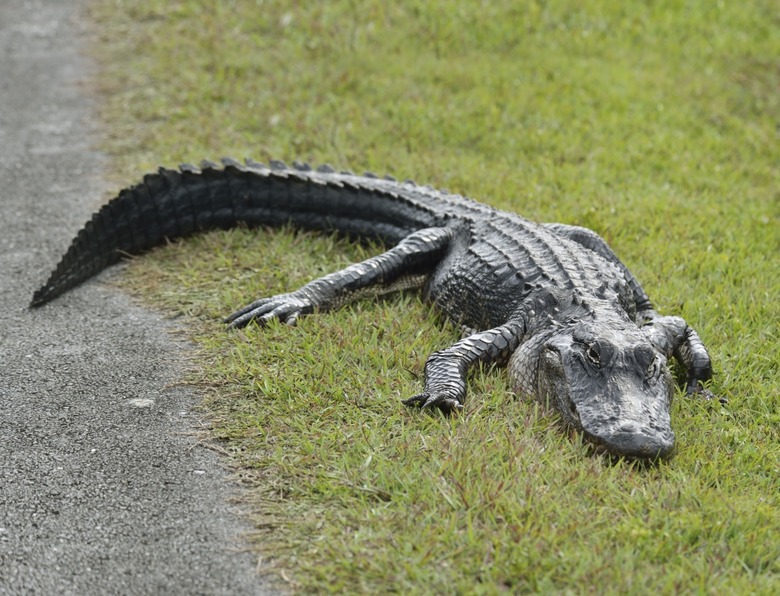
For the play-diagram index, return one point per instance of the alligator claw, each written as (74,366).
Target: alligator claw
(285,307)
(700,391)
(427,401)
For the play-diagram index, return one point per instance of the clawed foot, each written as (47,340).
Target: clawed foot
(696,389)
(285,307)
(427,400)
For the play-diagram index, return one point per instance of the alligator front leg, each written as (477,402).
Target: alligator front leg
(446,370)
(405,266)
(673,337)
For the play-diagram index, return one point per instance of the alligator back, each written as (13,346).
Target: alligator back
(176,203)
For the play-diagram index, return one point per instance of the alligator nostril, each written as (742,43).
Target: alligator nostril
(635,443)
(629,428)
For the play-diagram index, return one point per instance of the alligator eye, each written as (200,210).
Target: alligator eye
(593,355)
(646,358)
(591,350)
(653,369)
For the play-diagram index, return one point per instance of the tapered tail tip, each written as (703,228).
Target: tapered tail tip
(40,297)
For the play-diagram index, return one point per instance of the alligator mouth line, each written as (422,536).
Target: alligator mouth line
(572,410)
(622,446)
(598,448)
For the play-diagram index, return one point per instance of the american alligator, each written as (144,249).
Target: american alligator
(550,300)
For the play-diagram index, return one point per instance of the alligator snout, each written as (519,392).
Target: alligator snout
(635,443)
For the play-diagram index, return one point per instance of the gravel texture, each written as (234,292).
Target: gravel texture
(101,489)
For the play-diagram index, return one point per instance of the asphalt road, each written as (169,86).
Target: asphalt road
(101,492)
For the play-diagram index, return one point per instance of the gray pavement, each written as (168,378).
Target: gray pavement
(100,493)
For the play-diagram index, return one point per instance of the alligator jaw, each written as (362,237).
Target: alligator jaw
(636,444)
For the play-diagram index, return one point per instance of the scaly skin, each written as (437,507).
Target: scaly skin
(553,301)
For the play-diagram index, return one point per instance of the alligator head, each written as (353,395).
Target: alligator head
(606,381)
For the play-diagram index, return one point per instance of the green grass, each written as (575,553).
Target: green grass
(656,124)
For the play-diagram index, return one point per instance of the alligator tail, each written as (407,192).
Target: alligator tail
(176,203)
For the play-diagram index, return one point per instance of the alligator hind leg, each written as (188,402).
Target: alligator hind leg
(446,370)
(407,265)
